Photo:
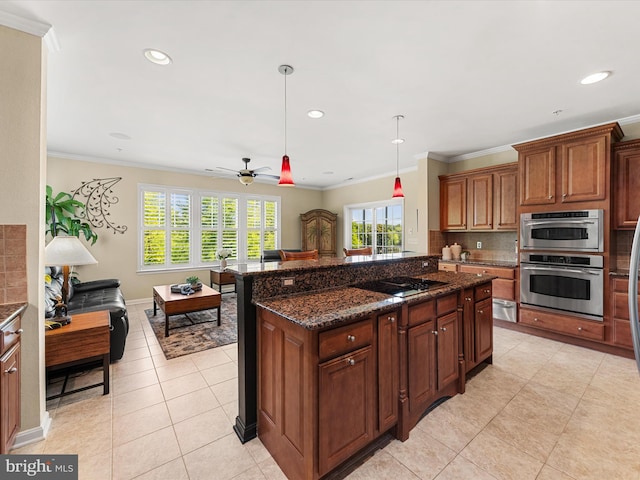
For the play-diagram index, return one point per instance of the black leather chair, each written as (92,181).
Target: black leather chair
(274,255)
(92,297)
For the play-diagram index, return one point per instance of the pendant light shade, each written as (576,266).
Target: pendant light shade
(286,180)
(397,187)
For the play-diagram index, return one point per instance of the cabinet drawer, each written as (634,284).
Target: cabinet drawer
(422,312)
(505,289)
(592,330)
(9,334)
(447,267)
(502,272)
(345,339)
(482,291)
(446,304)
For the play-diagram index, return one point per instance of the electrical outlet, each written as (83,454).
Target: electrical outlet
(425,264)
(288,282)
(478,245)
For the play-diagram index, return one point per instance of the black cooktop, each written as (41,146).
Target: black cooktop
(400,286)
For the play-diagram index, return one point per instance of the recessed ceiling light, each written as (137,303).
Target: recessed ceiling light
(328,172)
(395,141)
(315,113)
(594,77)
(157,57)
(120,136)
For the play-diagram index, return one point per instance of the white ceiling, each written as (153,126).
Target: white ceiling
(467,76)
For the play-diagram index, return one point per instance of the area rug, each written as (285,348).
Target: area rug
(185,337)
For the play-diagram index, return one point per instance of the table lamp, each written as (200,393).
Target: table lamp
(64,250)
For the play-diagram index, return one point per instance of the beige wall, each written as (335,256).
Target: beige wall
(117,253)
(22,146)
(376,190)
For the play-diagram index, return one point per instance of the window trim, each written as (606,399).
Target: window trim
(346,215)
(196,196)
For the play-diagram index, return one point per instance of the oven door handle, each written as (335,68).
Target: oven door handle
(556,222)
(568,270)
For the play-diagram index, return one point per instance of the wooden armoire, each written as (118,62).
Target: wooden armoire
(318,228)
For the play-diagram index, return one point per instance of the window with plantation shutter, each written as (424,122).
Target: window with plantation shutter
(182,228)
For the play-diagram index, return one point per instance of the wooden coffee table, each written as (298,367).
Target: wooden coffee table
(176,303)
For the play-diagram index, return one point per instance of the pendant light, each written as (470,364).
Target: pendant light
(397,187)
(286,180)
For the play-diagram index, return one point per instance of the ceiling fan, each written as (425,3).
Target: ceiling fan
(246,176)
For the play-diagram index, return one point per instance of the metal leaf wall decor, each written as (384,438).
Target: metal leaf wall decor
(98,198)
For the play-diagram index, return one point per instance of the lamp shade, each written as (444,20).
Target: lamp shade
(397,189)
(286,180)
(64,250)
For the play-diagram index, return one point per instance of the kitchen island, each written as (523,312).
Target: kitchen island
(340,367)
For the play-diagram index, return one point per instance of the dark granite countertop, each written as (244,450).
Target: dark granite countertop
(322,263)
(332,307)
(488,263)
(9,311)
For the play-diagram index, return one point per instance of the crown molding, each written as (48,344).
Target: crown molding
(33,27)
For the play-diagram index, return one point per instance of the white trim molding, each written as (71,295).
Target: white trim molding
(33,435)
(33,27)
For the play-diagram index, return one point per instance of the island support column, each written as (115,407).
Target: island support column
(246,426)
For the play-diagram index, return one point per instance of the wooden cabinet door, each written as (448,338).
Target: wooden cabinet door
(627,184)
(453,204)
(346,407)
(505,201)
(583,170)
(484,329)
(468,329)
(422,365)
(447,349)
(538,176)
(9,397)
(480,207)
(388,371)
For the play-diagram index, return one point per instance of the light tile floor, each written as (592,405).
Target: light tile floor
(543,410)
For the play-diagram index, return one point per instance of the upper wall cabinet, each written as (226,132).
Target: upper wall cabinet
(482,199)
(567,168)
(626,165)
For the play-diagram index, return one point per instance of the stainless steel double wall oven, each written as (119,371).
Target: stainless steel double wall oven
(558,270)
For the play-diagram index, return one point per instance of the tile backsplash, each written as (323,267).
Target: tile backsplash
(500,246)
(13,263)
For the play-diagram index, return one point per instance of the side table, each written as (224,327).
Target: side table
(85,340)
(222,277)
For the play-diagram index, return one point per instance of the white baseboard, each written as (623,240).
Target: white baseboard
(25,437)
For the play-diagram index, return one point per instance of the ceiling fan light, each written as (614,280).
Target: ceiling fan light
(286,180)
(397,189)
(246,180)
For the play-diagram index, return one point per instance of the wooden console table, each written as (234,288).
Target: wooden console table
(85,340)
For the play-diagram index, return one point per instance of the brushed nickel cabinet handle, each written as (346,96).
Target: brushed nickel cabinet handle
(11,370)
(435,332)
(480,312)
(444,329)
(351,361)
(535,319)
(579,329)
(468,299)
(351,338)
(391,319)
(17,332)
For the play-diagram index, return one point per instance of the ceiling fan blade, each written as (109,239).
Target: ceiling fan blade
(268,176)
(262,169)
(228,169)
